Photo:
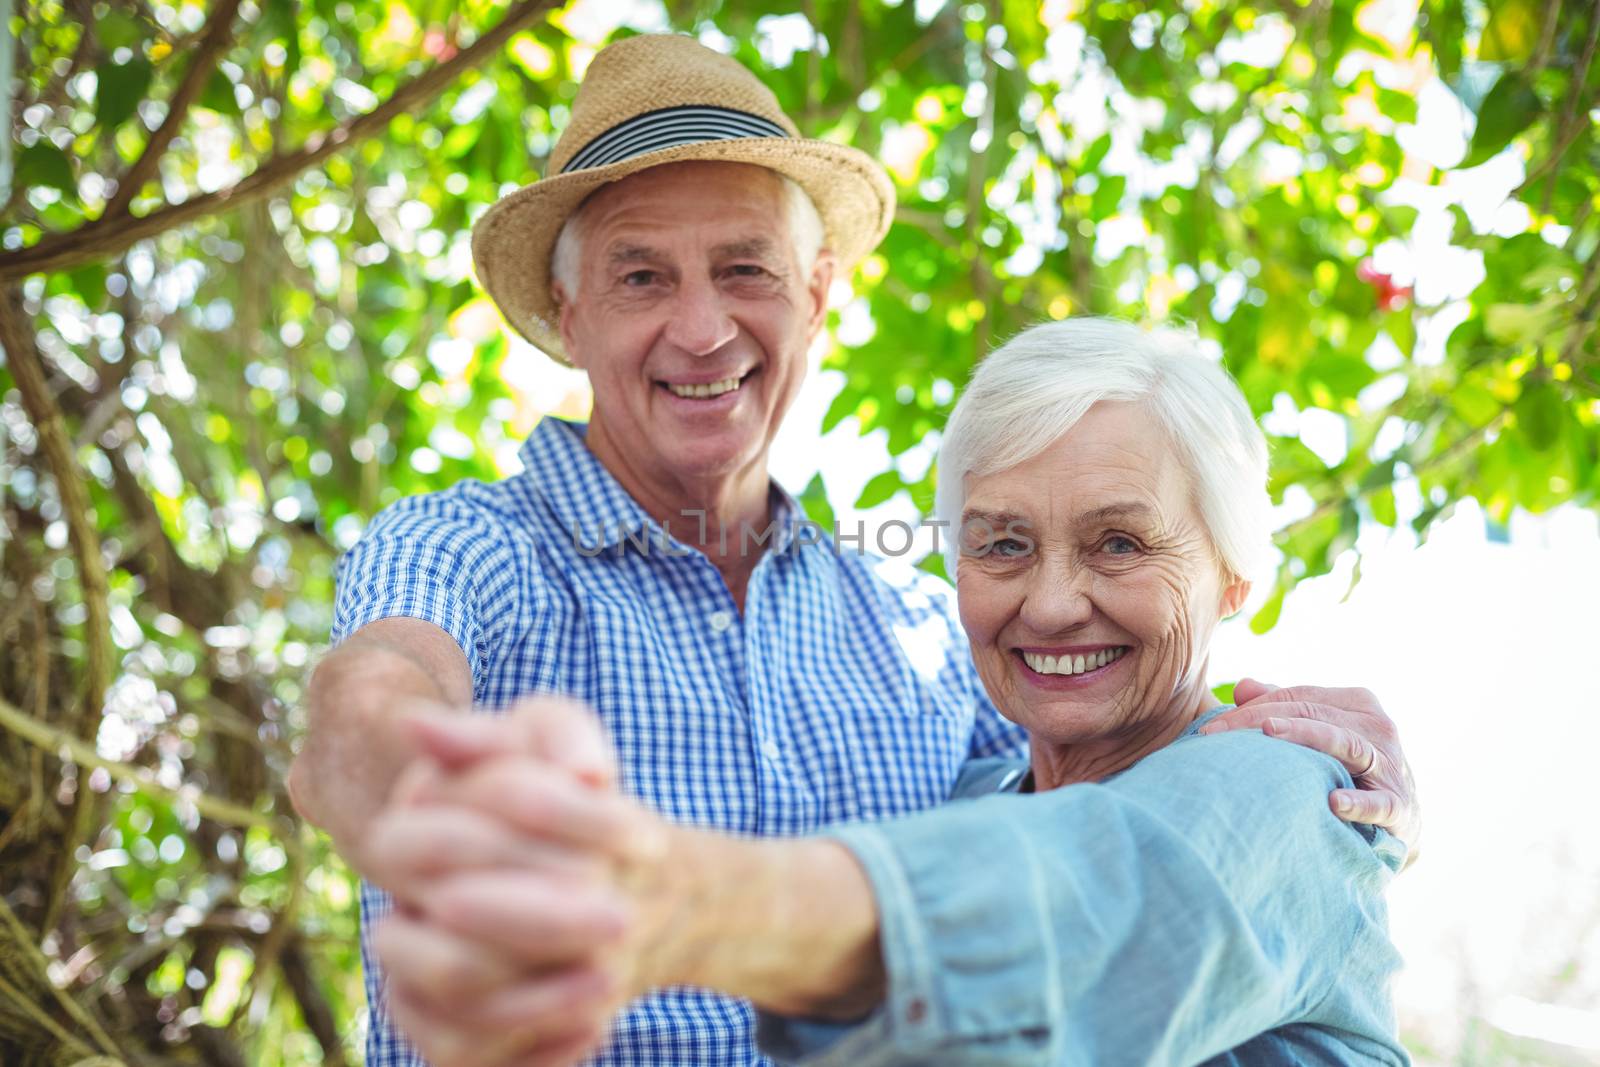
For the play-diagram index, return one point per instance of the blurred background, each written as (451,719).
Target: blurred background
(238,318)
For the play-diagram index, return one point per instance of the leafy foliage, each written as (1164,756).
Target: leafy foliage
(239,318)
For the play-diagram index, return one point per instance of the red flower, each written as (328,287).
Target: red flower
(1390,296)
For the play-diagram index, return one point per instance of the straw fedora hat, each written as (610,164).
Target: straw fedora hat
(655,99)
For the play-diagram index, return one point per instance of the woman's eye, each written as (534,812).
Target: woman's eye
(1121,546)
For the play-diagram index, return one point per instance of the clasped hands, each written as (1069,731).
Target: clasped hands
(531,898)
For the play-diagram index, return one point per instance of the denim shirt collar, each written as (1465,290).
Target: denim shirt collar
(591,505)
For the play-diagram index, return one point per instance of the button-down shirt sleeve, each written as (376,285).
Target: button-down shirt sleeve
(1165,916)
(429,558)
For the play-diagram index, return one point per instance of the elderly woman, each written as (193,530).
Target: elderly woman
(1166,896)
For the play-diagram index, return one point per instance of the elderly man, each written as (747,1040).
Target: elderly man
(681,254)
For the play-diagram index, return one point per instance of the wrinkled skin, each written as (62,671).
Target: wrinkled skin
(1111,554)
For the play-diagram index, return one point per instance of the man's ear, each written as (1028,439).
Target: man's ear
(564,320)
(1234,596)
(817,287)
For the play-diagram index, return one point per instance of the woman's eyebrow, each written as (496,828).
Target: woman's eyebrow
(1123,512)
(998,520)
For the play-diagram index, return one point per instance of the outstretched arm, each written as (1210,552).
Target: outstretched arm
(1179,910)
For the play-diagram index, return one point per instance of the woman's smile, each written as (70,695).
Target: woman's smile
(1077,667)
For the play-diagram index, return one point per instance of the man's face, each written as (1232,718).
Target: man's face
(693,317)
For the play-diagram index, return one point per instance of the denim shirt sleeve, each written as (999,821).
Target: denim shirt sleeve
(1164,916)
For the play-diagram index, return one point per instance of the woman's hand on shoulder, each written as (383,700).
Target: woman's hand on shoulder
(1352,727)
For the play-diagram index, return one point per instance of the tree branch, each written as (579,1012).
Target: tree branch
(218,32)
(107,236)
(22,356)
(53,740)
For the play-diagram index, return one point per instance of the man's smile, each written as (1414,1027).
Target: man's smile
(706,390)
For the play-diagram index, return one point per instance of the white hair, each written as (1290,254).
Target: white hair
(805,229)
(1036,387)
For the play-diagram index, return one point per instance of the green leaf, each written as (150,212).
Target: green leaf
(117,29)
(815,500)
(879,489)
(1267,617)
(119,87)
(43,164)
(1108,196)
(1512,32)
(1540,414)
(1383,509)
(1510,108)
(218,95)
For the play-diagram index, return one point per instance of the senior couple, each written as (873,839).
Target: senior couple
(765,802)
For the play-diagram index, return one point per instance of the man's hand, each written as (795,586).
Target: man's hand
(1349,725)
(506,847)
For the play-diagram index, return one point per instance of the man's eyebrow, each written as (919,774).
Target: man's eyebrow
(748,248)
(634,253)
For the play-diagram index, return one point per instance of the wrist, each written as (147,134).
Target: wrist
(791,924)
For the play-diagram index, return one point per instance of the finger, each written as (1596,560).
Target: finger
(570,735)
(414,780)
(548,804)
(437,968)
(1247,689)
(1351,698)
(539,921)
(1251,716)
(1379,807)
(407,847)
(1346,746)
(441,1042)
(562,731)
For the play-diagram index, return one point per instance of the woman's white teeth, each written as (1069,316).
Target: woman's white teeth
(713,389)
(1072,664)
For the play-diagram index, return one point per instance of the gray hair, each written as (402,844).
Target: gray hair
(805,229)
(1036,387)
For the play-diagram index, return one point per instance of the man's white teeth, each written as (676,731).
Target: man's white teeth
(713,389)
(1072,664)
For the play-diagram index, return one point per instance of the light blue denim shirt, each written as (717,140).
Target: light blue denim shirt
(1202,907)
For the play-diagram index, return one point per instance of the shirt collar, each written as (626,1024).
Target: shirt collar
(591,505)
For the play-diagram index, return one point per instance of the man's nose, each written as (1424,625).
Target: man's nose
(700,323)
(1059,599)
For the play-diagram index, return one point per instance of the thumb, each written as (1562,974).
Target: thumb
(1248,689)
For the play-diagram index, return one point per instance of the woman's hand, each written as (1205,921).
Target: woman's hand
(1349,725)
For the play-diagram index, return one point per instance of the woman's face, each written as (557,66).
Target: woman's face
(1091,606)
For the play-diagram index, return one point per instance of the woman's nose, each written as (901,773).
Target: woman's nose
(1058,600)
(700,322)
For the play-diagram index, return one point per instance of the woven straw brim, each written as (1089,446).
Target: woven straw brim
(512,241)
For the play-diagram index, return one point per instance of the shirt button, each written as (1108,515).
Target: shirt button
(916,1010)
(770,750)
(721,620)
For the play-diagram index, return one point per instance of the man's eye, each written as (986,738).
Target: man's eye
(747,270)
(1009,548)
(640,278)
(1119,545)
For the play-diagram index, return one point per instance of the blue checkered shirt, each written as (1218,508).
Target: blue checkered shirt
(844,692)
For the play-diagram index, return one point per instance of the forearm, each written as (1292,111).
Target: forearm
(354,748)
(790,925)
